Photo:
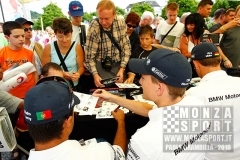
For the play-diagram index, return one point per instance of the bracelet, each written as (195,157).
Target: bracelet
(222,29)
(225,60)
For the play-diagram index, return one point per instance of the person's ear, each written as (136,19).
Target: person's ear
(196,65)
(152,39)
(69,121)
(160,89)
(7,37)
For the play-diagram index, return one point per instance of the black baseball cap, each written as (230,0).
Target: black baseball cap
(23,21)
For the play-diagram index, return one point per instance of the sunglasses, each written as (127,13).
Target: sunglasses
(26,29)
(131,26)
(60,80)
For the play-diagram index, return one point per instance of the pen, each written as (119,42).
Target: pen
(116,109)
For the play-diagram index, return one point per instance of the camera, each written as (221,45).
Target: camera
(109,81)
(107,63)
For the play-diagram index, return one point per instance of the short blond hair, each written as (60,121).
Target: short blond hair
(174,92)
(106,4)
(173,6)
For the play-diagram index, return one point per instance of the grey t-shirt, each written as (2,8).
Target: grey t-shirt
(9,102)
(230,45)
(215,27)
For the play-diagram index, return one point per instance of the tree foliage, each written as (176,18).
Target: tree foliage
(219,4)
(140,8)
(34,15)
(89,16)
(224,4)
(184,6)
(50,12)
(233,4)
(120,11)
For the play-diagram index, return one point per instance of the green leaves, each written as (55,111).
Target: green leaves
(50,12)
(89,16)
(140,8)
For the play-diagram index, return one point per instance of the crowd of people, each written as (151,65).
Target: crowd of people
(160,55)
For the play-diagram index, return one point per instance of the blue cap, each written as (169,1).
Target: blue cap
(170,67)
(204,50)
(75,8)
(48,101)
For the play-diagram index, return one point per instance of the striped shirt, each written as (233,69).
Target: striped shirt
(97,47)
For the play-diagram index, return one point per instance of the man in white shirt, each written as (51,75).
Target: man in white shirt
(48,111)
(217,88)
(173,37)
(76,12)
(165,77)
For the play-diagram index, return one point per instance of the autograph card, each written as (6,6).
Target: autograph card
(87,104)
(122,85)
(107,107)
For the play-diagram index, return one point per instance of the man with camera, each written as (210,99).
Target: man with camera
(107,46)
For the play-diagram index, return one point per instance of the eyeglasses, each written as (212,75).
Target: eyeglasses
(131,26)
(26,29)
(61,37)
(58,79)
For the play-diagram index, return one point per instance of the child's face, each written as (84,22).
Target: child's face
(16,38)
(145,40)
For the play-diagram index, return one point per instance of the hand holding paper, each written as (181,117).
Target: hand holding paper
(16,75)
(24,68)
(13,82)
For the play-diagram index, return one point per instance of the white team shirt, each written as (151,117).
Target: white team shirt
(72,150)
(217,88)
(147,142)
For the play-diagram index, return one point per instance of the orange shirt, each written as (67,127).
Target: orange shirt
(8,58)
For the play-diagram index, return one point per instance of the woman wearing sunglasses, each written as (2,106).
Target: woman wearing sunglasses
(64,52)
(132,21)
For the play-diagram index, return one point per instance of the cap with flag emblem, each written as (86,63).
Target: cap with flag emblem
(204,50)
(44,115)
(48,101)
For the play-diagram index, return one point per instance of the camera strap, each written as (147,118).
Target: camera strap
(82,36)
(109,36)
(113,40)
(168,32)
(63,59)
